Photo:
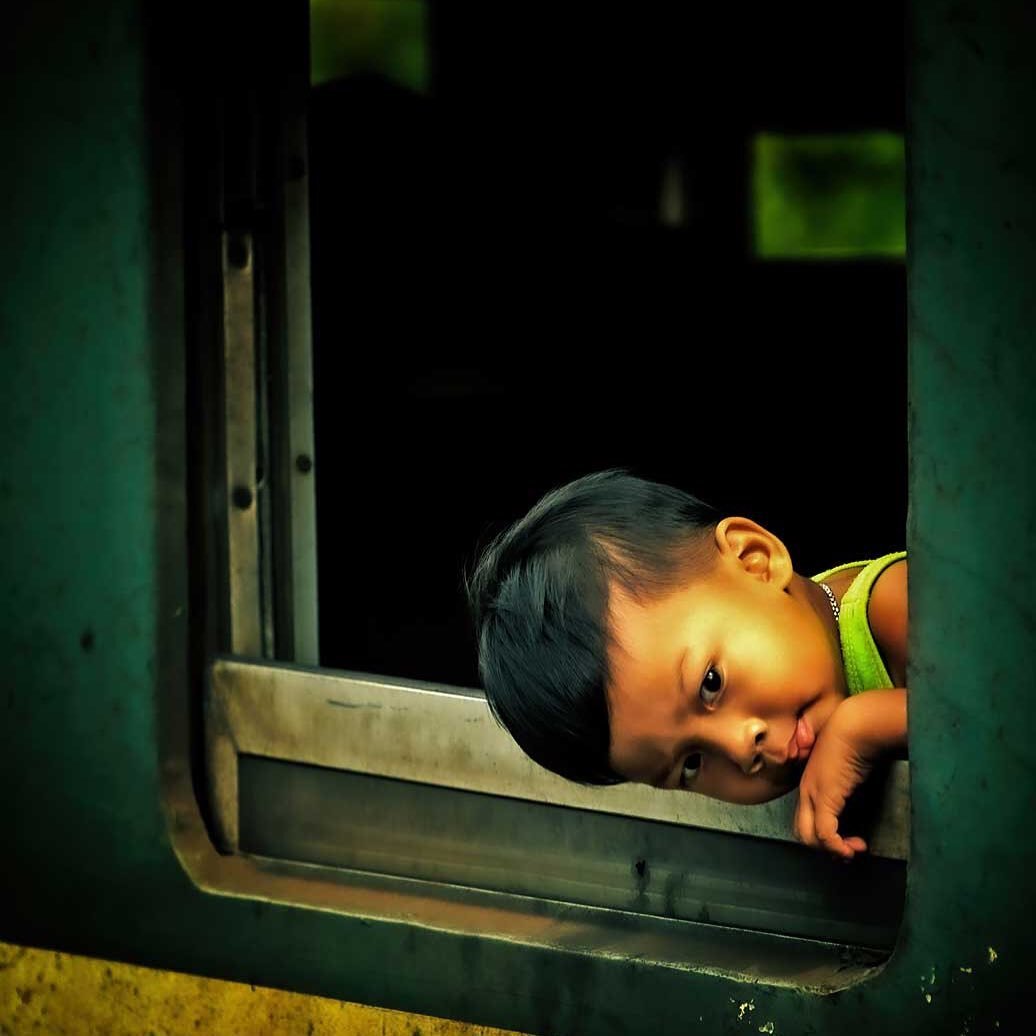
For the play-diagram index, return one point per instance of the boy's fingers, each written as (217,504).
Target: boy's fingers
(804,822)
(830,839)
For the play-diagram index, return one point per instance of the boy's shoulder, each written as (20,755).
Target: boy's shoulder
(887,615)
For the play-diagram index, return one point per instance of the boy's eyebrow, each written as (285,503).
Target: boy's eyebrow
(660,778)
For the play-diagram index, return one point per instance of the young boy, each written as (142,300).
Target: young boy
(628,631)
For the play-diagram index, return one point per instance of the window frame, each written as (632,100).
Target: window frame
(256,656)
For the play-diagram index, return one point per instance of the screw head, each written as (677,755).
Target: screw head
(241,497)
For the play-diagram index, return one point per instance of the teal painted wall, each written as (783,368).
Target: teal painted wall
(78,615)
(972,237)
(92,563)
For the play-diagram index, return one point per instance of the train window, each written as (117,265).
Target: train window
(829,196)
(369,37)
(465,257)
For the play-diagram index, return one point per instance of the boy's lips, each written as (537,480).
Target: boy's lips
(801,743)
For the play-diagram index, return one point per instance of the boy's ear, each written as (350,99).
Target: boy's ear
(756,550)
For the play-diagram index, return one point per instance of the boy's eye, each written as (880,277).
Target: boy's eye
(691,766)
(710,686)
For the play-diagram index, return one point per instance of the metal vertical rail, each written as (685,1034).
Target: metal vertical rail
(301,472)
(239,412)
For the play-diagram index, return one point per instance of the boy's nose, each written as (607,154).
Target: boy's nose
(749,743)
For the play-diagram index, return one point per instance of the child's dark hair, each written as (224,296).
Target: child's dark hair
(540,594)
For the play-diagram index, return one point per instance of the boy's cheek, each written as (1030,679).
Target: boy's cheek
(753,791)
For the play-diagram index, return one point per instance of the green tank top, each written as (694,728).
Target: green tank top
(864,668)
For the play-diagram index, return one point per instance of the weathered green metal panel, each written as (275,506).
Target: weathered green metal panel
(77,470)
(973,519)
(93,556)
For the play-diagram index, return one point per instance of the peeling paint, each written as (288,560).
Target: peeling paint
(930,980)
(768,1027)
(748,1005)
(992,955)
(967,971)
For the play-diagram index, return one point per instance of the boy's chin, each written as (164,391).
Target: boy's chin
(785,781)
(766,790)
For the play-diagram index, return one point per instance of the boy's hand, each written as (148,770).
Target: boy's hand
(858,732)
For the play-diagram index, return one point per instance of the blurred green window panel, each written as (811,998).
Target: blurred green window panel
(829,196)
(382,37)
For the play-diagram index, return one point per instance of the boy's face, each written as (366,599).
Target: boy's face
(722,686)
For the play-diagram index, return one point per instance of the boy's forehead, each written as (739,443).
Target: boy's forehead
(639,614)
(640,627)
(645,657)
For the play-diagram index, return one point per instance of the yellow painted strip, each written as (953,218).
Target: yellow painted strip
(46,992)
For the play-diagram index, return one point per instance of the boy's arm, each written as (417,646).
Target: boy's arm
(888,620)
(862,728)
